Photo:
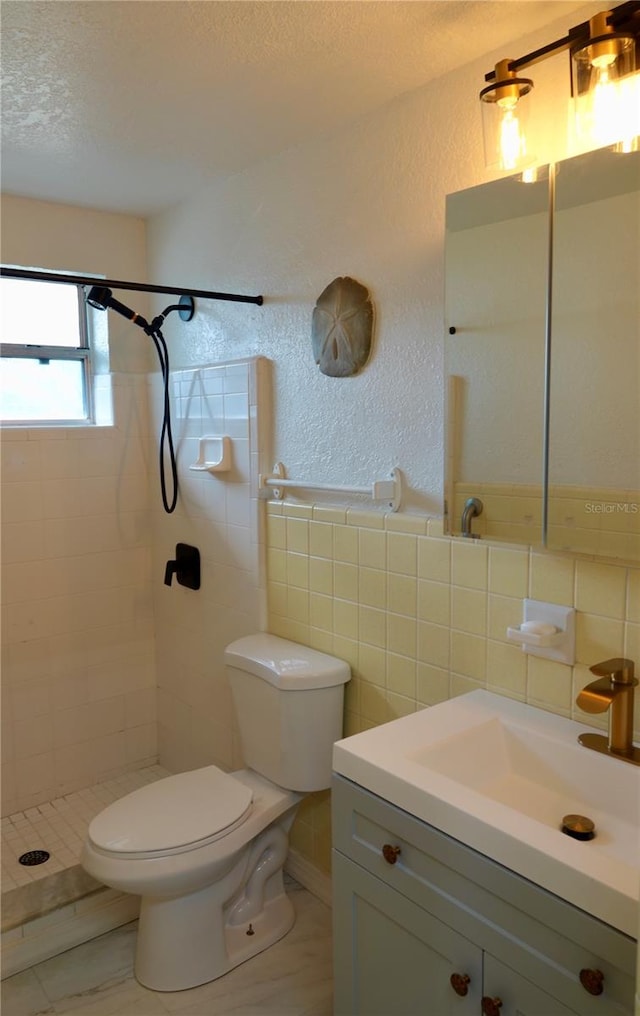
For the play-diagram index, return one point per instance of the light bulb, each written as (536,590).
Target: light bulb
(612,117)
(512,140)
(604,105)
(603,61)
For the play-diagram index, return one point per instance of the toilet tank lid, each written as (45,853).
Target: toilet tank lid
(285,664)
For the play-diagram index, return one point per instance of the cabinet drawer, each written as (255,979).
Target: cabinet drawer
(547,940)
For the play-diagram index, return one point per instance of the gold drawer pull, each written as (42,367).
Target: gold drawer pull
(390,853)
(592,981)
(460,983)
(491,1006)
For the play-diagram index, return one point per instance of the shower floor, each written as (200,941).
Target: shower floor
(59,827)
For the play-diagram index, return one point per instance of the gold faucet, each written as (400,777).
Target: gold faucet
(613,691)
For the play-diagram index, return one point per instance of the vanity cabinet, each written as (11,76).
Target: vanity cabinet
(425,926)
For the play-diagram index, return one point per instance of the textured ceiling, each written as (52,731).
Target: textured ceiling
(130,105)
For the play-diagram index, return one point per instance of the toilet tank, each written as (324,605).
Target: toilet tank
(288,700)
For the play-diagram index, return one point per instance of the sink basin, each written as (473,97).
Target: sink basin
(500,776)
(542,777)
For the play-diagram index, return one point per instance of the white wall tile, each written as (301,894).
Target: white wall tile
(23,541)
(141,743)
(70,725)
(33,736)
(140,707)
(22,501)
(77,609)
(30,698)
(21,461)
(195,715)
(79,572)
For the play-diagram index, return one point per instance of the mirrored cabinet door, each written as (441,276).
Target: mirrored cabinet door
(534,270)
(594,431)
(497,239)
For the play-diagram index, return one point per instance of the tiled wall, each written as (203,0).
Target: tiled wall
(585,520)
(78,671)
(219,514)
(85,543)
(422,618)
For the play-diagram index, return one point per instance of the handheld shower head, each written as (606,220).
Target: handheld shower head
(101,298)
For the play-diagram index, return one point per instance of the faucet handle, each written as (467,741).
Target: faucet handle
(618,670)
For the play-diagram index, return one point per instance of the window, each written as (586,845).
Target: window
(46,354)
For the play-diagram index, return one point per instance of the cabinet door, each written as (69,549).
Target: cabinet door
(515,996)
(392,957)
(520,997)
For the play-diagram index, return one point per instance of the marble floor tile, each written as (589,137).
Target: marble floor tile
(292,978)
(100,962)
(25,996)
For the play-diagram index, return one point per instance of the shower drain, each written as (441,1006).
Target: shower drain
(34,857)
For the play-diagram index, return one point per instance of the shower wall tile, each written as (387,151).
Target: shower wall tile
(76,610)
(220,514)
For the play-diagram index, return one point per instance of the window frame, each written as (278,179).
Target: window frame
(83,354)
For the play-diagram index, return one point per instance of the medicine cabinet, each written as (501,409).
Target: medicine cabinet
(542,356)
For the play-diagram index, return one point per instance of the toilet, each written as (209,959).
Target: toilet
(205,849)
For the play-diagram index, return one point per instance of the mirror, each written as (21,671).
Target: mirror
(497,238)
(585,494)
(594,427)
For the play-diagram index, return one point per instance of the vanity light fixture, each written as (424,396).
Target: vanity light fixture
(504,119)
(605,90)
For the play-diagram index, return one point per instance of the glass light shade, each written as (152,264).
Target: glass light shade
(608,114)
(606,100)
(504,127)
(605,60)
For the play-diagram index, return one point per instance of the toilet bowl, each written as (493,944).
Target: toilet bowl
(205,849)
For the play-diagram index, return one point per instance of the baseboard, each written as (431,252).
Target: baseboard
(66,927)
(316,881)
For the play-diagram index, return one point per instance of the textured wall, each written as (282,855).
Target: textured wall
(368,201)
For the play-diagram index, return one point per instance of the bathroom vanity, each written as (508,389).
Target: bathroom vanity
(426,923)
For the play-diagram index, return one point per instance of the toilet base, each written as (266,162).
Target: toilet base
(277,918)
(194,938)
(182,963)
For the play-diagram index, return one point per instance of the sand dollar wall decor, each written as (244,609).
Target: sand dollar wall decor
(342,327)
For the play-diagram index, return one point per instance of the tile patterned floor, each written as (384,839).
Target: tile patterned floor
(59,826)
(292,978)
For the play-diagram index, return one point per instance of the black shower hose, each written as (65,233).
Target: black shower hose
(166,436)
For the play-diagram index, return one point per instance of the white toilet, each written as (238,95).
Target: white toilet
(205,849)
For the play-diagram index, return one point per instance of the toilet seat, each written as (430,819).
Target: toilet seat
(173,815)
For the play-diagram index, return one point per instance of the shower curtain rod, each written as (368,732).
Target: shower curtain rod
(91,280)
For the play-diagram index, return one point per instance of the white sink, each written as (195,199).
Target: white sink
(500,776)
